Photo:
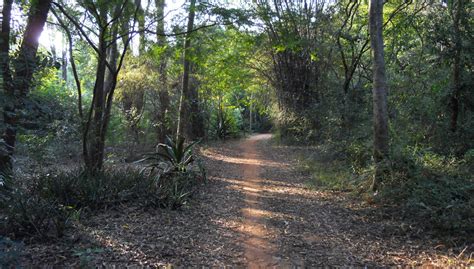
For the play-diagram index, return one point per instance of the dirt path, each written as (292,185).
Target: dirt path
(255,212)
(259,252)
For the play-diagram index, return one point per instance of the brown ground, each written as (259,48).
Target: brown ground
(256,212)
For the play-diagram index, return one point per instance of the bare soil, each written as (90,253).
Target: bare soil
(255,212)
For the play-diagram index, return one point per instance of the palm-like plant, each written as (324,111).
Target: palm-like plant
(174,153)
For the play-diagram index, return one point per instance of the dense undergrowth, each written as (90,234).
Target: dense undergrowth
(45,205)
(433,190)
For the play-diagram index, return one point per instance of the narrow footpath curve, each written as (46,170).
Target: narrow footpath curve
(255,212)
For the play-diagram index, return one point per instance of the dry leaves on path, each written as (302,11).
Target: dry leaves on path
(256,211)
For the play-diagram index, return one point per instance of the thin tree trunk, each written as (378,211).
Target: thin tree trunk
(379,91)
(64,63)
(251,113)
(184,106)
(454,99)
(141,27)
(196,129)
(163,95)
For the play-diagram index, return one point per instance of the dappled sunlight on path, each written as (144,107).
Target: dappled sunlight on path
(259,252)
(256,212)
(212,154)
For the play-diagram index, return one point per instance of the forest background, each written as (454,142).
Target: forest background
(382,93)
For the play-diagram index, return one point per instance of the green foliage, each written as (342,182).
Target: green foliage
(293,128)
(29,213)
(359,154)
(332,175)
(469,157)
(46,204)
(173,175)
(433,188)
(79,189)
(228,86)
(226,123)
(48,125)
(174,188)
(174,155)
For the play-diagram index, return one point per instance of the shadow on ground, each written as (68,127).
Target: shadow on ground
(304,227)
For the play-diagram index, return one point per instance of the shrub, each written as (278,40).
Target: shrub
(225,122)
(80,189)
(45,204)
(436,189)
(359,155)
(26,212)
(10,252)
(174,188)
(173,173)
(172,156)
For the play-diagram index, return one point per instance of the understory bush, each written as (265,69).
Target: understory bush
(45,204)
(10,252)
(432,188)
(225,123)
(24,211)
(172,167)
(295,129)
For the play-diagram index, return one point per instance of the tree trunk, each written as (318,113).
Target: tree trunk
(8,144)
(94,146)
(454,98)
(141,27)
(17,87)
(250,112)
(379,92)
(196,119)
(163,95)
(184,106)
(64,63)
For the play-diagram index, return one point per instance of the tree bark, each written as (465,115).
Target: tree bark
(379,92)
(196,129)
(163,95)
(184,106)
(16,88)
(8,144)
(93,156)
(141,27)
(454,98)
(64,63)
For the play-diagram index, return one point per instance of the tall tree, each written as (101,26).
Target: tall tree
(108,19)
(184,102)
(457,11)
(379,92)
(17,81)
(163,95)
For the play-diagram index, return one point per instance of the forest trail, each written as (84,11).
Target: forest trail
(259,252)
(255,212)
